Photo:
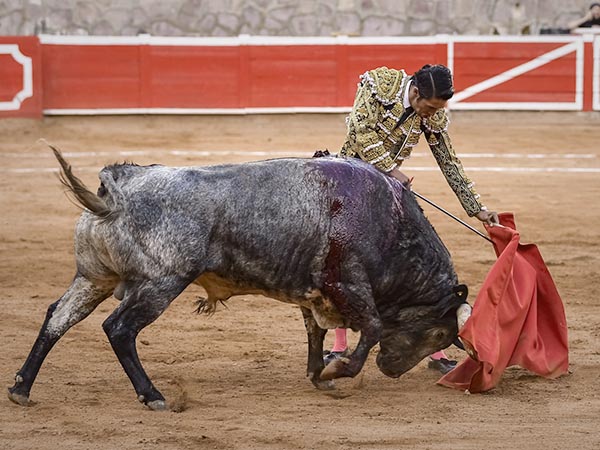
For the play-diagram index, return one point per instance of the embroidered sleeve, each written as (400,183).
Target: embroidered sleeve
(363,123)
(441,147)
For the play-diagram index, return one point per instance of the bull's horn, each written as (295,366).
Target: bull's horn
(459,343)
(462,315)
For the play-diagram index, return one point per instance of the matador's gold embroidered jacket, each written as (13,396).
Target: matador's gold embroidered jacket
(379,134)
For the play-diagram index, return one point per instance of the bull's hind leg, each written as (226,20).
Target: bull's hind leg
(315,351)
(76,304)
(142,304)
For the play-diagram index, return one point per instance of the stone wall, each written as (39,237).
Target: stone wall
(285,17)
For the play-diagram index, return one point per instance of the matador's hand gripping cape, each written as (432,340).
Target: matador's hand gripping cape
(380,133)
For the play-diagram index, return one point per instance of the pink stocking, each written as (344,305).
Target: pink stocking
(340,344)
(438,355)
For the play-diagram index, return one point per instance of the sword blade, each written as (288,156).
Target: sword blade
(474,230)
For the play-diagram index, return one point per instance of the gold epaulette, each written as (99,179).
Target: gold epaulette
(385,84)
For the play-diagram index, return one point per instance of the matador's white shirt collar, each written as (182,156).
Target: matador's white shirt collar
(405,100)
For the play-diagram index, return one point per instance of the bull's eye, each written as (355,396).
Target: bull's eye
(440,335)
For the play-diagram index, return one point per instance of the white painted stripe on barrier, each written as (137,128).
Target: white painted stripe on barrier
(296,40)
(409,169)
(596,74)
(528,155)
(579,73)
(516,38)
(516,169)
(51,39)
(199,111)
(520,106)
(200,41)
(127,153)
(176,152)
(343,40)
(450,55)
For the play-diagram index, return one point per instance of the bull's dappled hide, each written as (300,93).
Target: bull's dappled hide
(518,318)
(334,236)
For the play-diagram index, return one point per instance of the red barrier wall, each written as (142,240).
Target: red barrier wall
(76,76)
(544,74)
(478,62)
(20,77)
(191,77)
(219,76)
(143,74)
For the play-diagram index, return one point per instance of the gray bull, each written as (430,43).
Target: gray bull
(347,244)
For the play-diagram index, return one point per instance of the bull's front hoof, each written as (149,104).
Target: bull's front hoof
(335,369)
(157,405)
(19,399)
(322,385)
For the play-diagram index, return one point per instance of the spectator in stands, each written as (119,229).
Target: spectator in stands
(591,19)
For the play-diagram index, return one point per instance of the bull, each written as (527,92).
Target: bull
(350,246)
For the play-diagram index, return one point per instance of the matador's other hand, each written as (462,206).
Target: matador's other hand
(489,217)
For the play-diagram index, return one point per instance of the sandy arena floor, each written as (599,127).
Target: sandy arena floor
(237,379)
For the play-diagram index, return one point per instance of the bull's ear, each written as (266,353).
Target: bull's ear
(462,291)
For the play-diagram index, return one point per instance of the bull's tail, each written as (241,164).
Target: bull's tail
(82,195)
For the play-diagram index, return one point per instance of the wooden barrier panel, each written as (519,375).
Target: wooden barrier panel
(191,77)
(292,76)
(410,57)
(217,75)
(20,77)
(528,74)
(91,76)
(145,74)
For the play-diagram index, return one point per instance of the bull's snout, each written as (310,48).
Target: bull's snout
(392,367)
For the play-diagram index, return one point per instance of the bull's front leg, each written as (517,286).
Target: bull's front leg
(315,363)
(355,303)
(370,334)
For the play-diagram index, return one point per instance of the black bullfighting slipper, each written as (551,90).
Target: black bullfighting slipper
(332,356)
(442,365)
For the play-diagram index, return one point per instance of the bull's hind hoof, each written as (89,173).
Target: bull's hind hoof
(19,399)
(325,385)
(334,369)
(157,405)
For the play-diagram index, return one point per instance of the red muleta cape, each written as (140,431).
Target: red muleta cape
(518,318)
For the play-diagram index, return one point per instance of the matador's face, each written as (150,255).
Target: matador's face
(425,107)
